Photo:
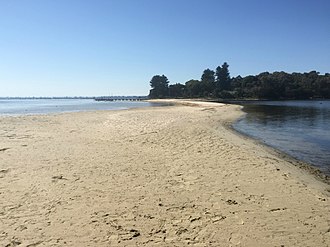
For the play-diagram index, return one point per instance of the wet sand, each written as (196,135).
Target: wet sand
(165,176)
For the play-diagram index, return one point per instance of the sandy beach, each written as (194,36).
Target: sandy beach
(162,176)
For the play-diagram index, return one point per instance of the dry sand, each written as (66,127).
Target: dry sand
(166,176)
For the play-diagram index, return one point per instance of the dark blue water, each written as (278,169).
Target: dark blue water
(298,128)
(46,106)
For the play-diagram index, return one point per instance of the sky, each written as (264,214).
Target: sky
(115,47)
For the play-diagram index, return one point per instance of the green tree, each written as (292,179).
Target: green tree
(159,87)
(323,86)
(194,88)
(176,90)
(208,81)
(223,77)
(276,85)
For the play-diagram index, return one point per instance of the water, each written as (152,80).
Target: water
(46,106)
(298,128)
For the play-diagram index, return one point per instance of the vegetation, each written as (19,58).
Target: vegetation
(160,88)
(219,85)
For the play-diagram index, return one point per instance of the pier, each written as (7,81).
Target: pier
(121,98)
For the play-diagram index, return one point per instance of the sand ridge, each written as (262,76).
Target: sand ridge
(163,176)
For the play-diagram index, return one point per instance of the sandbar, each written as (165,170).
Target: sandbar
(157,176)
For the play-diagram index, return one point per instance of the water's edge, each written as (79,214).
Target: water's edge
(57,107)
(229,126)
(309,167)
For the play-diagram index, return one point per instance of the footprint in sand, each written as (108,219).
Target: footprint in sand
(3,172)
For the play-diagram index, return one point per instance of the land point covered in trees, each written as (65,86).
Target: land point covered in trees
(219,85)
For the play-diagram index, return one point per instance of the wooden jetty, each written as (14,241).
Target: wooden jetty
(121,98)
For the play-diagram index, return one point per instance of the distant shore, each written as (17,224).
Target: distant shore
(159,176)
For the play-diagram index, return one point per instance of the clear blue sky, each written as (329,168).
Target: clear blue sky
(102,47)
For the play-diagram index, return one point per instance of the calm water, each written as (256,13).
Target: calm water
(45,106)
(298,128)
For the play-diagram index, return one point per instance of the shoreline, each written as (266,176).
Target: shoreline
(58,106)
(309,167)
(312,169)
(159,176)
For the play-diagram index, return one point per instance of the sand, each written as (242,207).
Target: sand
(163,176)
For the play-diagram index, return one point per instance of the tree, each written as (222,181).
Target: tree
(266,85)
(159,85)
(194,88)
(223,77)
(176,90)
(208,81)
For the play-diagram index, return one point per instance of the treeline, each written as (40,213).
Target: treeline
(219,84)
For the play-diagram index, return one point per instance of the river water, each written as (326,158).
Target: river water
(298,128)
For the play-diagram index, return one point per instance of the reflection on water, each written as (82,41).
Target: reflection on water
(299,128)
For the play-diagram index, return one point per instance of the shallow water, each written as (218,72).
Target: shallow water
(298,128)
(45,106)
